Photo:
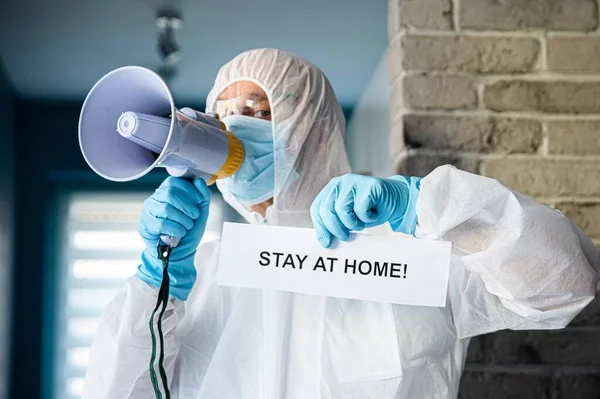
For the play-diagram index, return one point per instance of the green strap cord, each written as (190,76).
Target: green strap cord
(164,252)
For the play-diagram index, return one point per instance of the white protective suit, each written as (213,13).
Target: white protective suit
(515,265)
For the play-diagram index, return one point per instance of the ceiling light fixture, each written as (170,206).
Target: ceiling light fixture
(168,20)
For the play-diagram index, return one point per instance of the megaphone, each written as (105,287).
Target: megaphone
(129,125)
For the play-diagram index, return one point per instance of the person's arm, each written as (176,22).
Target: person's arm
(122,347)
(121,352)
(517,264)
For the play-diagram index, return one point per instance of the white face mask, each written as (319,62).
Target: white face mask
(253,183)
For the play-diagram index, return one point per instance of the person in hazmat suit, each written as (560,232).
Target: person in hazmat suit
(516,264)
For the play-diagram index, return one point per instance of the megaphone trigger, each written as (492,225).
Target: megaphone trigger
(170,241)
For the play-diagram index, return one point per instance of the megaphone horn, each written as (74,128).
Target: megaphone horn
(129,125)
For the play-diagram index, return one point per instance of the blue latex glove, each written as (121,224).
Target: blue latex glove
(354,202)
(177,208)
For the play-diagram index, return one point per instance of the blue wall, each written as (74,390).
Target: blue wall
(7,135)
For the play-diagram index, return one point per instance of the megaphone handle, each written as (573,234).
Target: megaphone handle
(170,241)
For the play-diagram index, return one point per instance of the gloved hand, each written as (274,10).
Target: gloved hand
(177,208)
(354,202)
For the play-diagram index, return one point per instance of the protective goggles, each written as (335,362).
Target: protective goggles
(253,103)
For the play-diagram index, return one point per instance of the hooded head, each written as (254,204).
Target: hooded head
(308,130)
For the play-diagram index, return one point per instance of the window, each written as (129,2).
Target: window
(101,251)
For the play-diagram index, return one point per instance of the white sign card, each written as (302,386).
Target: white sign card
(394,269)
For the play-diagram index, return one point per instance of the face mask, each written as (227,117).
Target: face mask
(253,182)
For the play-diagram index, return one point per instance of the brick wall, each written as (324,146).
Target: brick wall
(508,89)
